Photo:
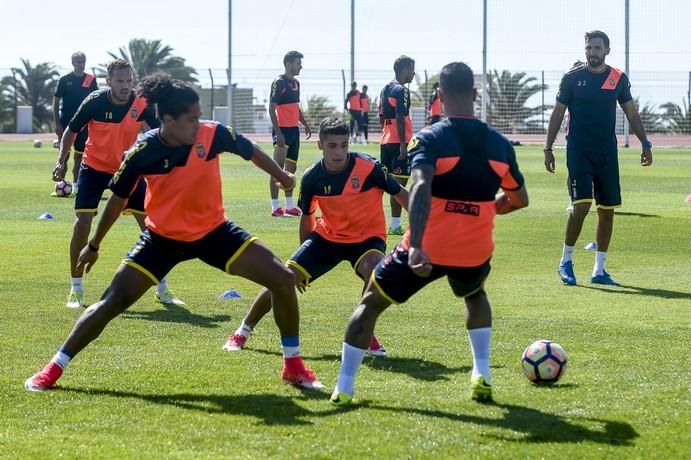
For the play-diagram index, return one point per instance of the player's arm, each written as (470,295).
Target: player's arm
(89,254)
(308,222)
(636,124)
(402,198)
(56,116)
(284,179)
(555,121)
(66,143)
(418,213)
(400,123)
(308,130)
(511,200)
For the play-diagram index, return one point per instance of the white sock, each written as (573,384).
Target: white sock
(395,222)
(162,286)
(351,359)
(599,267)
(61,359)
(77,284)
(244,330)
(566,254)
(290,204)
(480,339)
(275,204)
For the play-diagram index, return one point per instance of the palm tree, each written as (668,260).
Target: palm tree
(317,108)
(150,56)
(6,107)
(652,121)
(34,86)
(677,117)
(508,94)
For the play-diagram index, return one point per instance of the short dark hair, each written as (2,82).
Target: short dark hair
(173,97)
(456,78)
(78,54)
(292,56)
(333,125)
(354,84)
(597,34)
(117,64)
(403,62)
(365,87)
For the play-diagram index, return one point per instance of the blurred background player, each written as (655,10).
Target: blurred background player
(353,105)
(434,105)
(364,118)
(72,89)
(185,221)
(347,188)
(591,92)
(114,117)
(285,114)
(453,204)
(397,129)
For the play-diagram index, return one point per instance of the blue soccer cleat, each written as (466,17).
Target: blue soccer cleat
(604,279)
(566,274)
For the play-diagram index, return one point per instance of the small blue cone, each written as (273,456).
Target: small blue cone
(232,294)
(45,216)
(592,246)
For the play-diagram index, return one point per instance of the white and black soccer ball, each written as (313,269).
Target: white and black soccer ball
(544,362)
(38,144)
(56,144)
(63,188)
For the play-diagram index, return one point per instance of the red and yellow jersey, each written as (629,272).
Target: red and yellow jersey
(113,128)
(471,161)
(353,100)
(183,195)
(350,201)
(434,106)
(285,93)
(394,100)
(364,102)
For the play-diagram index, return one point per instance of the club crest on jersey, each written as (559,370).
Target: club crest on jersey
(612,83)
(134,113)
(355,182)
(200,150)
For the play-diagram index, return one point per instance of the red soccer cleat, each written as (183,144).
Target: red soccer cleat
(45,379)
(295,373)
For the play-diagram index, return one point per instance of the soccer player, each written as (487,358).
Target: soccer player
(114,117)
(397,129)
(71,91)
(285,113)
(347,187)
(458,165)
(354,107)
(591,92)
(364,118)
(434,105)
(185,220)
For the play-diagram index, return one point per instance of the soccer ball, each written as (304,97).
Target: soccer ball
(38,143)
(544,362)
(63,188)
(56,144)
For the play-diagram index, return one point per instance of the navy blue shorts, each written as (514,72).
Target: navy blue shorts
(356,116)
(317,255)
(394,279)
(389,159)
(292,137)
(80,140)
(155,255)
(91,184)
(594,175)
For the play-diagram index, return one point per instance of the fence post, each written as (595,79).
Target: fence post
(543,100)
(344,86)
(213,90)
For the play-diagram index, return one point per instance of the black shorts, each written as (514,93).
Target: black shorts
(317,255)
(594,175)
(80,140)
(394,279)
(364,118)
(434,119)
(389,159)
(91,184)
(292,137)
(155,255)
(356,116)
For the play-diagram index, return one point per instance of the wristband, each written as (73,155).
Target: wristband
(92,248)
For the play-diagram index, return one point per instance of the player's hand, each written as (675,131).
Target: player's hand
(646,157)
(59,129)
(59,170)
(308,132)
(419,262)
(87,258)
(287,182)
(280,139)
(403,152)
(549,160)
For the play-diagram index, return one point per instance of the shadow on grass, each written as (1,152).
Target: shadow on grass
(635,290)
(535,425)
(635,214)
(270,409)
(421,369)
(176,314)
